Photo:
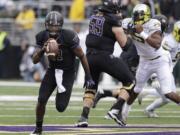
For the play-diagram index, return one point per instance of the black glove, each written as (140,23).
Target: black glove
(131,28)
(89,83)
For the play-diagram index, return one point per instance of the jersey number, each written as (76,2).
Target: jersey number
(96,25)
(136,37)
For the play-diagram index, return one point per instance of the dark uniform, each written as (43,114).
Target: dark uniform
(100,46)
(61,70)
(67,41)
(104,27)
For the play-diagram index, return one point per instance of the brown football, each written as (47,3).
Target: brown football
(52,49)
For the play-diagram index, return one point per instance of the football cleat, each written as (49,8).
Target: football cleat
(150,114)
(82,122)
(117,117)
(37,131)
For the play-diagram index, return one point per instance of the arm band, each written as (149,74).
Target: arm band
(144,35)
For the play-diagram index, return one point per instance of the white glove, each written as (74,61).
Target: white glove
(155,84)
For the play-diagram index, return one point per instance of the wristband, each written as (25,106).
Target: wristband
(144,35)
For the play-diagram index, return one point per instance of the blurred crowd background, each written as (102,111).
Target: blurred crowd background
(20,20)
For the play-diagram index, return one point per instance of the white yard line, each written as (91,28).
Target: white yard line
(34,98)
(74,97)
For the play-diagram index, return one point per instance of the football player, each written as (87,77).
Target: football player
(171,43)
(104,30)
(147,36)
(61,71)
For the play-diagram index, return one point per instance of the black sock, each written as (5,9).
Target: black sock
(107,93)
(85,112)
(119,104)
(39,124)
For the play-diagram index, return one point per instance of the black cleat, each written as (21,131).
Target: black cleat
(117,118)
(97,98)
(37,131)
(82,122)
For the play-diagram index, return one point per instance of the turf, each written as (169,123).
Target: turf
(23,113)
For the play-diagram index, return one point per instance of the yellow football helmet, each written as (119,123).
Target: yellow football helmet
(176,31)
(141,14)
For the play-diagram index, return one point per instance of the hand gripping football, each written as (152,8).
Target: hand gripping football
(52,49)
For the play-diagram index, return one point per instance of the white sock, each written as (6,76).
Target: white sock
(156,104)
(125,111)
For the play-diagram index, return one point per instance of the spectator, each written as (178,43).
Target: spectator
(7,9)
(77,10)
(166,7)
(176,10)
(28,70)
(25,23)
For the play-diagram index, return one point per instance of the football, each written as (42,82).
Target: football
(52,49)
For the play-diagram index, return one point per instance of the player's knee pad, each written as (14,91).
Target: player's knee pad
(128,87)
(125,91)
(89,97)
(124,94)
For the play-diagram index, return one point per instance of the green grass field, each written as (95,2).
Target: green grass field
(16,111)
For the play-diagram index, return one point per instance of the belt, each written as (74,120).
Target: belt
(155,58)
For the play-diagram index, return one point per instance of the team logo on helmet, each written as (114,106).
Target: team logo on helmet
(141,14)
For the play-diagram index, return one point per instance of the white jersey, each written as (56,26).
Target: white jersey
(170,44)
(143,48)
